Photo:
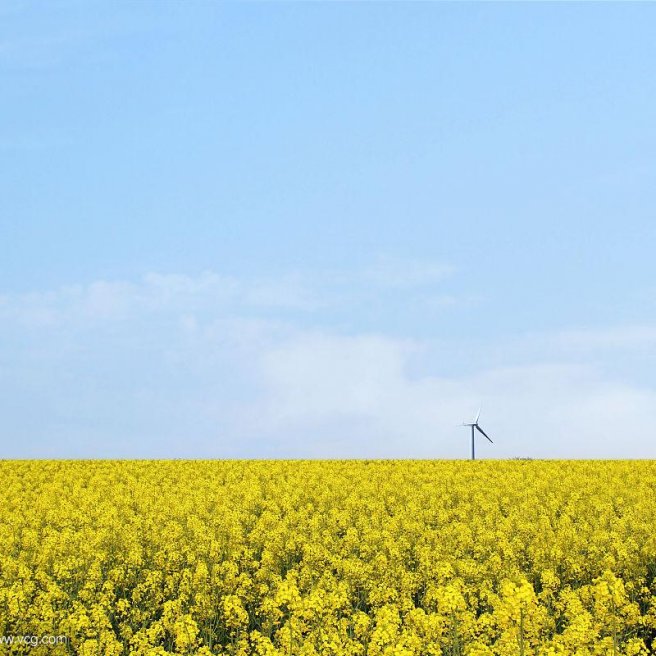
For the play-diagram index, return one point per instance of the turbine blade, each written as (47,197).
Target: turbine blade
(480,430)
(478,415)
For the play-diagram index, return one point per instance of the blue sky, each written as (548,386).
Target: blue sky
(326,229)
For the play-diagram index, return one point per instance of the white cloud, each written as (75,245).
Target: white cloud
(212,293)
(102,300)
(314,376)
(554,410)
(216,366)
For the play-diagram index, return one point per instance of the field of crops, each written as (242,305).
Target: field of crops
(383,558)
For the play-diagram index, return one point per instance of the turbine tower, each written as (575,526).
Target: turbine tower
(475,427)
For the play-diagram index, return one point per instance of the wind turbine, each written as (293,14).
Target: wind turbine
(475,427)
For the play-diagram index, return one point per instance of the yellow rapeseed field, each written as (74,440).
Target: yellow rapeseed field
(279,558)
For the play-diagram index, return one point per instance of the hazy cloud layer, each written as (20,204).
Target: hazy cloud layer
(216,366)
